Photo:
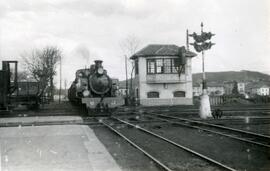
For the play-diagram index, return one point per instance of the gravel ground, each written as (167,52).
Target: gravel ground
(262,129)
(236,154)
(126,156)
(257,125)
(234,119)
(173,157)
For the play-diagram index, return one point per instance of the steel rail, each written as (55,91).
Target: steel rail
(196,111)
(216,126)
(178,145)
(139,148)
(224,109)
(214,132)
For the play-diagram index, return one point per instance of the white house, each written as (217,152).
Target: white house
(261,90)
(241,87)
(163,75)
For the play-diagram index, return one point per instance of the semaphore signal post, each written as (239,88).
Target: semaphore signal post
(201,44)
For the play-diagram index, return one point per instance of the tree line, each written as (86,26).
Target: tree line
(40,65)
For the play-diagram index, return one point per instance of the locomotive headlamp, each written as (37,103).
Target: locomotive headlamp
(100,71)
(86,93)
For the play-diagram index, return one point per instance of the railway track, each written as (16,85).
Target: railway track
(115,124)
(237,134)
(192,112)
(195,109)
(220,149)
(163,142)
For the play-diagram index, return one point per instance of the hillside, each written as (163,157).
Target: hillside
(232,75)
(243,76)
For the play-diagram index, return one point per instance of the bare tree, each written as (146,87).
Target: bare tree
(129,46)
(41,64)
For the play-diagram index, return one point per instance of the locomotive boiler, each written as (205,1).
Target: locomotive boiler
(95,90)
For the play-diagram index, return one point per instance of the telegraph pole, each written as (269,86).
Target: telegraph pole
(60,79)
(187,41)
(126,80)
(65,84)
(201,45)
(204,77)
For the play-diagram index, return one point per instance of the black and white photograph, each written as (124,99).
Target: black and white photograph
(134,85)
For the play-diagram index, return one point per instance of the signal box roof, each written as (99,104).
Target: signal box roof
(161,50)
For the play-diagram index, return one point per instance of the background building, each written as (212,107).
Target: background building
(197,89)
(213,89)
(241,87)
(163,75)
(228,87)
(261,90)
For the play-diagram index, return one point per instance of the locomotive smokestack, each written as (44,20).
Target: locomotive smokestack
(98,63)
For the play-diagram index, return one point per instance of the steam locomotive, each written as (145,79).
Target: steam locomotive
(95,90)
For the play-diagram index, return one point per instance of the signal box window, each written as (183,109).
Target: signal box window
(179,94)
(153,94)
(163,66)
(159,64)
(167,65)
(151,66)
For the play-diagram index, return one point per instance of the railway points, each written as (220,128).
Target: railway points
(245,136)
(160,156)
(219,148)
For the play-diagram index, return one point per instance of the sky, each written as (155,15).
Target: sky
(86,30)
